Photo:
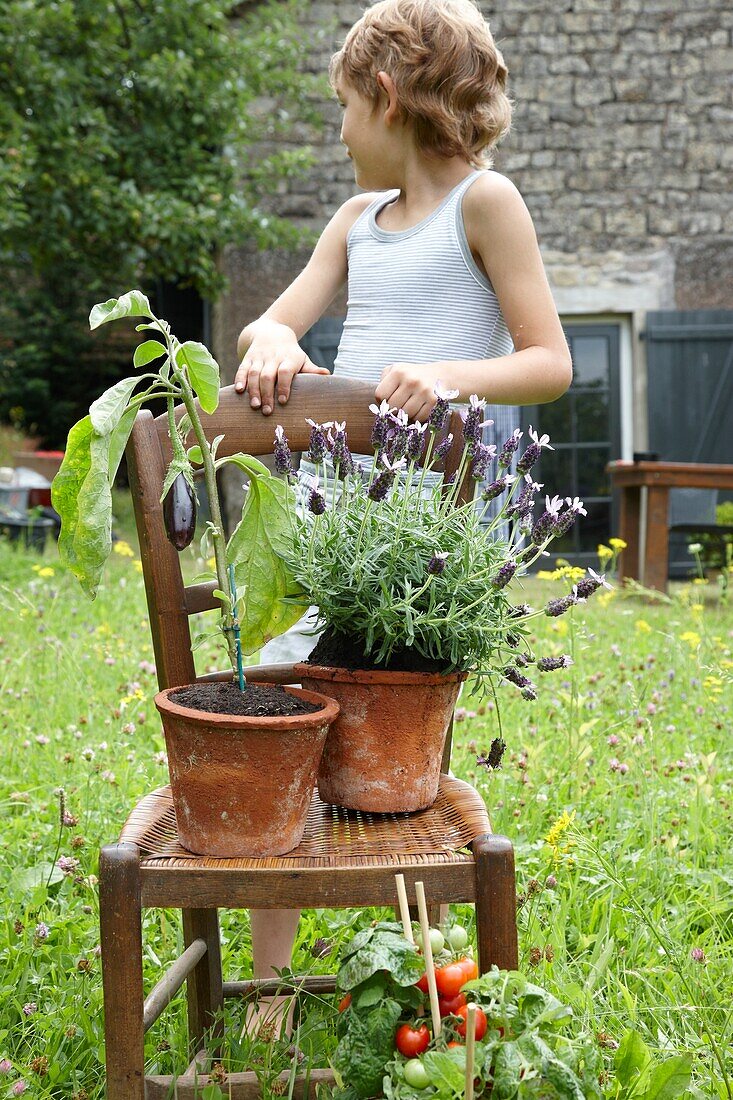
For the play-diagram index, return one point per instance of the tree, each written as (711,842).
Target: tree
(129,125)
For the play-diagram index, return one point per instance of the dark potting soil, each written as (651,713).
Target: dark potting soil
(254,702)
(340,651)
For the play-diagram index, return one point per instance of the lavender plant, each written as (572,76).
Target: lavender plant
(397,563)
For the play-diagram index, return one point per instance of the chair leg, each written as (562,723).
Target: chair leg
(496,905)
(204,989)
(122,970)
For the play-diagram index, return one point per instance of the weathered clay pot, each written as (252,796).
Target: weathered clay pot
(242,786)
(384,750)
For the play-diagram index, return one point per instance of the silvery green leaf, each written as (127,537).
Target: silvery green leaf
(106,412)
(146,352)
(203,373)
(132,304)
(82,497)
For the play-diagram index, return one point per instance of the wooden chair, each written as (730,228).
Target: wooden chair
(345,859)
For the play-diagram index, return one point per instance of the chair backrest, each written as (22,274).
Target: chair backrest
(170,603)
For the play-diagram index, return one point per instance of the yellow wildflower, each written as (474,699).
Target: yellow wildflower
(642,626)
(47,571)
(560,627)
(556,837)
(617,544)
(123,549)
(545,575)
(138,565)
(605,553)
(692,638)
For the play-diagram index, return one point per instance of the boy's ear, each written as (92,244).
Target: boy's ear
(388,90)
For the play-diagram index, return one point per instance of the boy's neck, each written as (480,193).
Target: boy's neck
(423,185)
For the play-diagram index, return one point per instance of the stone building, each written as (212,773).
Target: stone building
(622,147)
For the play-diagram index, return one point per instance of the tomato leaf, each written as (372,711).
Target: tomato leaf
(383,950)
(366,1048)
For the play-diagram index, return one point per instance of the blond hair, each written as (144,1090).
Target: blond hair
(449,74)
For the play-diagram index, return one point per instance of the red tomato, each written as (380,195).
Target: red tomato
(449,1005)
(479,1025)
(454,1043)
(423,983)
(344,1004)
(411,1041)
(449,979)
(469,967)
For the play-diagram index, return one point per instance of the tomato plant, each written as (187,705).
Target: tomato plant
(423,983)
(415,1074)
(480,1022)
(457,937)
(449,1005)
(411,1041)
(450,978)
(469,967)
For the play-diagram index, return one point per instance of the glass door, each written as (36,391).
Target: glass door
(584,426)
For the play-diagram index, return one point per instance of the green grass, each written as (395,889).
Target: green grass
(632,742)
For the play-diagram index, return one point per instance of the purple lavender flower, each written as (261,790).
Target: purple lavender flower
(510,446)
(473,424)
(514,676)
(520,610)
(383,481)
(444,446)
(415,441)
(482,456)
(533,452)
(545,525)
(523,505)
(496,487)
(381,424)
(559,607)
(504,575)
(316,499)
(493,758)
(588,585)
(523,659)
(439,416)
(567,519)
(317,446)
(283,457)
(436,565)
(550,664)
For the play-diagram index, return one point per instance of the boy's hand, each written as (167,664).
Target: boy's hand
(269,366)
(411,386)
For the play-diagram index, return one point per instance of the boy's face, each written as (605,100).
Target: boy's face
(369,137)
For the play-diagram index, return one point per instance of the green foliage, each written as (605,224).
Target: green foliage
(127,131)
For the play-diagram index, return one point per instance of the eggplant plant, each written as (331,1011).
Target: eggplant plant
(251,576)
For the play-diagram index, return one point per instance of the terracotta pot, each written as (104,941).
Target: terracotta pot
(242,786)
(384,750)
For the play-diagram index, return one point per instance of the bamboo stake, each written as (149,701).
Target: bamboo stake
(470,1048)
(427,951)
(404,908)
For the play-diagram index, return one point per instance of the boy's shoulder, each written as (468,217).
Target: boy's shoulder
(490,189)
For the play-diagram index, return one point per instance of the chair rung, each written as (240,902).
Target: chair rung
(165,990)
(267,987)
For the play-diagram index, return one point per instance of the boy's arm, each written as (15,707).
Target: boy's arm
(499,228)
(268,347)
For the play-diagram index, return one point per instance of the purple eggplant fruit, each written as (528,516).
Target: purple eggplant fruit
(179,513)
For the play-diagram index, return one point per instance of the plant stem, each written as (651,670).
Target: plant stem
(213,494)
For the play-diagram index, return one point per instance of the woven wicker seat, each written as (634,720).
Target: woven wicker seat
(345,859)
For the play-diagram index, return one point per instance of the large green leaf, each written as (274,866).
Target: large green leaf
(203,373)
(118,441)
(132,304)
(81,495)
(632,1057)
(670,1079)
(106,412)
(260,573)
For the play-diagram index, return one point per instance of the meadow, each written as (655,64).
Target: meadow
(616,789)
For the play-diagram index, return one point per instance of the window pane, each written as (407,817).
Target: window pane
(554,420)
(590,361)
(555,472)
(593,528)
(592,479)
(592,417)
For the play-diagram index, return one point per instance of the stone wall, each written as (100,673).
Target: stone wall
(622,146)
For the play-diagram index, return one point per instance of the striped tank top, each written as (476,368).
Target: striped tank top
(418,296)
